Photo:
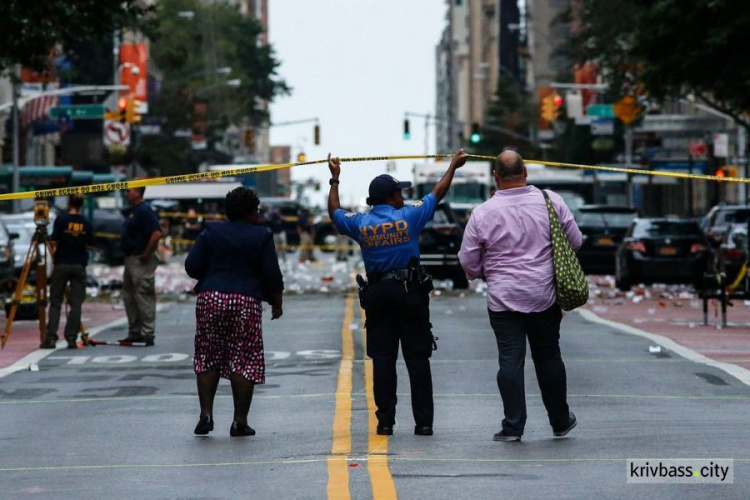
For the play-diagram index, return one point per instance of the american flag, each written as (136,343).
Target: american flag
(37,108)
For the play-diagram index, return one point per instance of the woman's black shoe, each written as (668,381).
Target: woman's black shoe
(238,429)
(205,425)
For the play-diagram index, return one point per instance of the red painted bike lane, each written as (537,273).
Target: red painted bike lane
(24,335)
(676,312)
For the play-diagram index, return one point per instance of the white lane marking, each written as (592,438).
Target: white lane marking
(741,374)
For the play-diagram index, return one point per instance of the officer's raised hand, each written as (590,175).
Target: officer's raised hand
(441,188)
(334,165)
(459,159)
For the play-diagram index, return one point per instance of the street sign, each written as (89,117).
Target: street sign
(601,110)
(79,111)
(627,109)
(698,148)
(721,145)
(116,133)
(602,126)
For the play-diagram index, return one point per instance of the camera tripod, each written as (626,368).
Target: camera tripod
(37,257)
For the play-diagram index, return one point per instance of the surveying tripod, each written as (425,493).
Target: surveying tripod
(37,258)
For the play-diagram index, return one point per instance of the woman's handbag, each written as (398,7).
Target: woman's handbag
(570,281)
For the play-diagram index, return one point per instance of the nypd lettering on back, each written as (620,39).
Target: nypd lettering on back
(385,234)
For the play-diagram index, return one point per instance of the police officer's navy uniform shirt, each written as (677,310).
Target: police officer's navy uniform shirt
(72,233)
(140,222)
(388,236)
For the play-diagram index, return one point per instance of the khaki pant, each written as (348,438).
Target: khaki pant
(139,296)
(279,241)
(305,251)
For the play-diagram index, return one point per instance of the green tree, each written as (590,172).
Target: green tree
(189,55)
(671,49)
(30,30)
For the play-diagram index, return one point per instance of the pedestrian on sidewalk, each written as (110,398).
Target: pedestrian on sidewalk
(507,244)
(72,235)
(396,298)
(140,238)
(237,269)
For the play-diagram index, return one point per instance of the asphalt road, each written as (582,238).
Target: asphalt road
(117,422)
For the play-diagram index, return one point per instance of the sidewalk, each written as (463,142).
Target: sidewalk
(24,335)
(676,313)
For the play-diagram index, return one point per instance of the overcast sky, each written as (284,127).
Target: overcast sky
(357,65)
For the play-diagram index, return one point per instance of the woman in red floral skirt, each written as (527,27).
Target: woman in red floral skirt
(236,267)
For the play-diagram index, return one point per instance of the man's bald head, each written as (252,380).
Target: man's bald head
(509,165)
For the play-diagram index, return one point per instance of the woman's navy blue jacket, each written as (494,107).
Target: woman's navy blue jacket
(235,257)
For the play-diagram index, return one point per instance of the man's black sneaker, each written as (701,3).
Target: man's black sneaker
(504,436)
(572,422)
(72,345)
(132,339)
(149,342)
(48,344)
(384,430)
(423,430)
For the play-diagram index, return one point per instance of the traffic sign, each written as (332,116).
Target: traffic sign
(601,110)
(698,148)
(79,111)
(116,133)
(627,109)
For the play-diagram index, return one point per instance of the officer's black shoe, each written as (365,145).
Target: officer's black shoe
(48,344)
(72,344)
(504,436)
(572,422)
(384,430)
(423,430)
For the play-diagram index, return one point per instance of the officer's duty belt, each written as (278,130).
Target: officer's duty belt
(395,274)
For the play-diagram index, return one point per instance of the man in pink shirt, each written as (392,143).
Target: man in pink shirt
(507,244)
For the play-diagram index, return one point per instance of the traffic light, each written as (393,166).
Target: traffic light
(551,107)
(476,135)
(301,158)
(728,171)
(316,135)
(122,106)
(131,111)
(250,138)
(407,133)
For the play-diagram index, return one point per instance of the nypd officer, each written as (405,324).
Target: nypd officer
(396,300)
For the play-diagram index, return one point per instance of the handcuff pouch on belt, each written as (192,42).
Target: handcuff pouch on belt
(418,276)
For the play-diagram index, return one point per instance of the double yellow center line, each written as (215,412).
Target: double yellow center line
(377,449)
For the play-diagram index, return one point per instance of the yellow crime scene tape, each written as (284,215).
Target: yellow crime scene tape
(234,172)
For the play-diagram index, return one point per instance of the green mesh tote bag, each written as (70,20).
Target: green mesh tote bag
(570,281)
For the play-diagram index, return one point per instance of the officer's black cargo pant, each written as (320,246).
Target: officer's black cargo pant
(395,314)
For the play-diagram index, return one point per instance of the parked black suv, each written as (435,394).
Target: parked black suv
(439,243)
(603,229)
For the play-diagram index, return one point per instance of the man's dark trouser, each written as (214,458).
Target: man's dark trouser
(543,330)
(395,314)
(61,276)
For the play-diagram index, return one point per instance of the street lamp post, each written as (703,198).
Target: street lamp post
(16,175)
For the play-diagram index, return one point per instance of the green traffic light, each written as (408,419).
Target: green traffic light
(475,138)
(407,136)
